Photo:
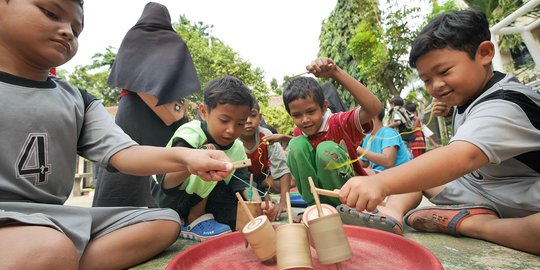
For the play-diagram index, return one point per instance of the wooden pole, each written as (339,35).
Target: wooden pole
(289,212)
(244,206)
(241,164)
(316,197)
(330,193)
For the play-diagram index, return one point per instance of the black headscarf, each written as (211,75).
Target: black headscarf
(334,101)
(154,59)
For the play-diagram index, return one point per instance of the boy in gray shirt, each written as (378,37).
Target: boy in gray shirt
(45,123)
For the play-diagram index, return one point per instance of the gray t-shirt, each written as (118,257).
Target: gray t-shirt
(44,125)
(504,122)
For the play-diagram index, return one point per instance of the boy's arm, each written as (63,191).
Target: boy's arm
(371,106)
(148,160)
(271,138)
(429,170)
(386,159)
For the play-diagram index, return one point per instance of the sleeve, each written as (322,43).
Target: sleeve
(278,163)
(390,138)
(100,137)
(350,122)
(365,145)
(500,128)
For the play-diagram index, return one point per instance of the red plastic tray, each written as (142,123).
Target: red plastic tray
(372,249)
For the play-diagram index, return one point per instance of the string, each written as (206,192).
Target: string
(247,184)
(332,165)
(259,150)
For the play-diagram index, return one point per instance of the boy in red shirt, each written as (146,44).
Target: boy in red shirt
(327,139)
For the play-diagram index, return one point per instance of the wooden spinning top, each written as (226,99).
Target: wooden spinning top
(328,234)
(293,251)
(260,234)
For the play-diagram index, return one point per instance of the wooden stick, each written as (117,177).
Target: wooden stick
(338,266)
(330,193)
(241,164)
(289,212)
(267,200)
(299,74)
(306,72)
(316,197)
(246,209)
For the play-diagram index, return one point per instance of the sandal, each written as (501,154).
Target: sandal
(445,218)
(375,219)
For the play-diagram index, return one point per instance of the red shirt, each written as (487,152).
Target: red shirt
(259,157)
(343,128)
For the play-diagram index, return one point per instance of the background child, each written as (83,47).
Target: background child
(326,138)
(50,122)
(400,120)
(486,182)
(383,148)
(151,103)
(209,208)
(421,133)
(268,162)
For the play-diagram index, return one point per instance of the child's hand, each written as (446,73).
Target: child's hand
(272,138)
(269,209)
(322,67)
(362,193)
(440,108)
(209,165)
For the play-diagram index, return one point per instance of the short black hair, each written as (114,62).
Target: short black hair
(303,87)
(410,107)
(256,104)
(397,101)
(227,90)
(459,30)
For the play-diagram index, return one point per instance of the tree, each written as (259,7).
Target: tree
(93,77)
(382,48)
(370,45)
(336,32)
(213,59)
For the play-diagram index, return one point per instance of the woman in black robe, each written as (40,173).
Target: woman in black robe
(155,70)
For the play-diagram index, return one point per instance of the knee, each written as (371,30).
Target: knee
(298,146)
(168,231)
(327,151)
(44,248)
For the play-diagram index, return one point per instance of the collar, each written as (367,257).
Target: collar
(210,139)
(497,76)
(12,79)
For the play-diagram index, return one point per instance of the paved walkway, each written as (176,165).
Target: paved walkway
(454,253)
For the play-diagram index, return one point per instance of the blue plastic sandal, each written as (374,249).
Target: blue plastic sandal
(203,228)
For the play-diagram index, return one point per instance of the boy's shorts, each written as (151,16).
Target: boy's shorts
(460,191)
(80,224)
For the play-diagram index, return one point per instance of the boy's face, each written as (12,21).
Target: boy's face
(39,33)
(452,76)
(225,122)
(307,115)
(252,123)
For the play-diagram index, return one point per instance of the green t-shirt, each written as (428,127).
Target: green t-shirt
(194,135)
